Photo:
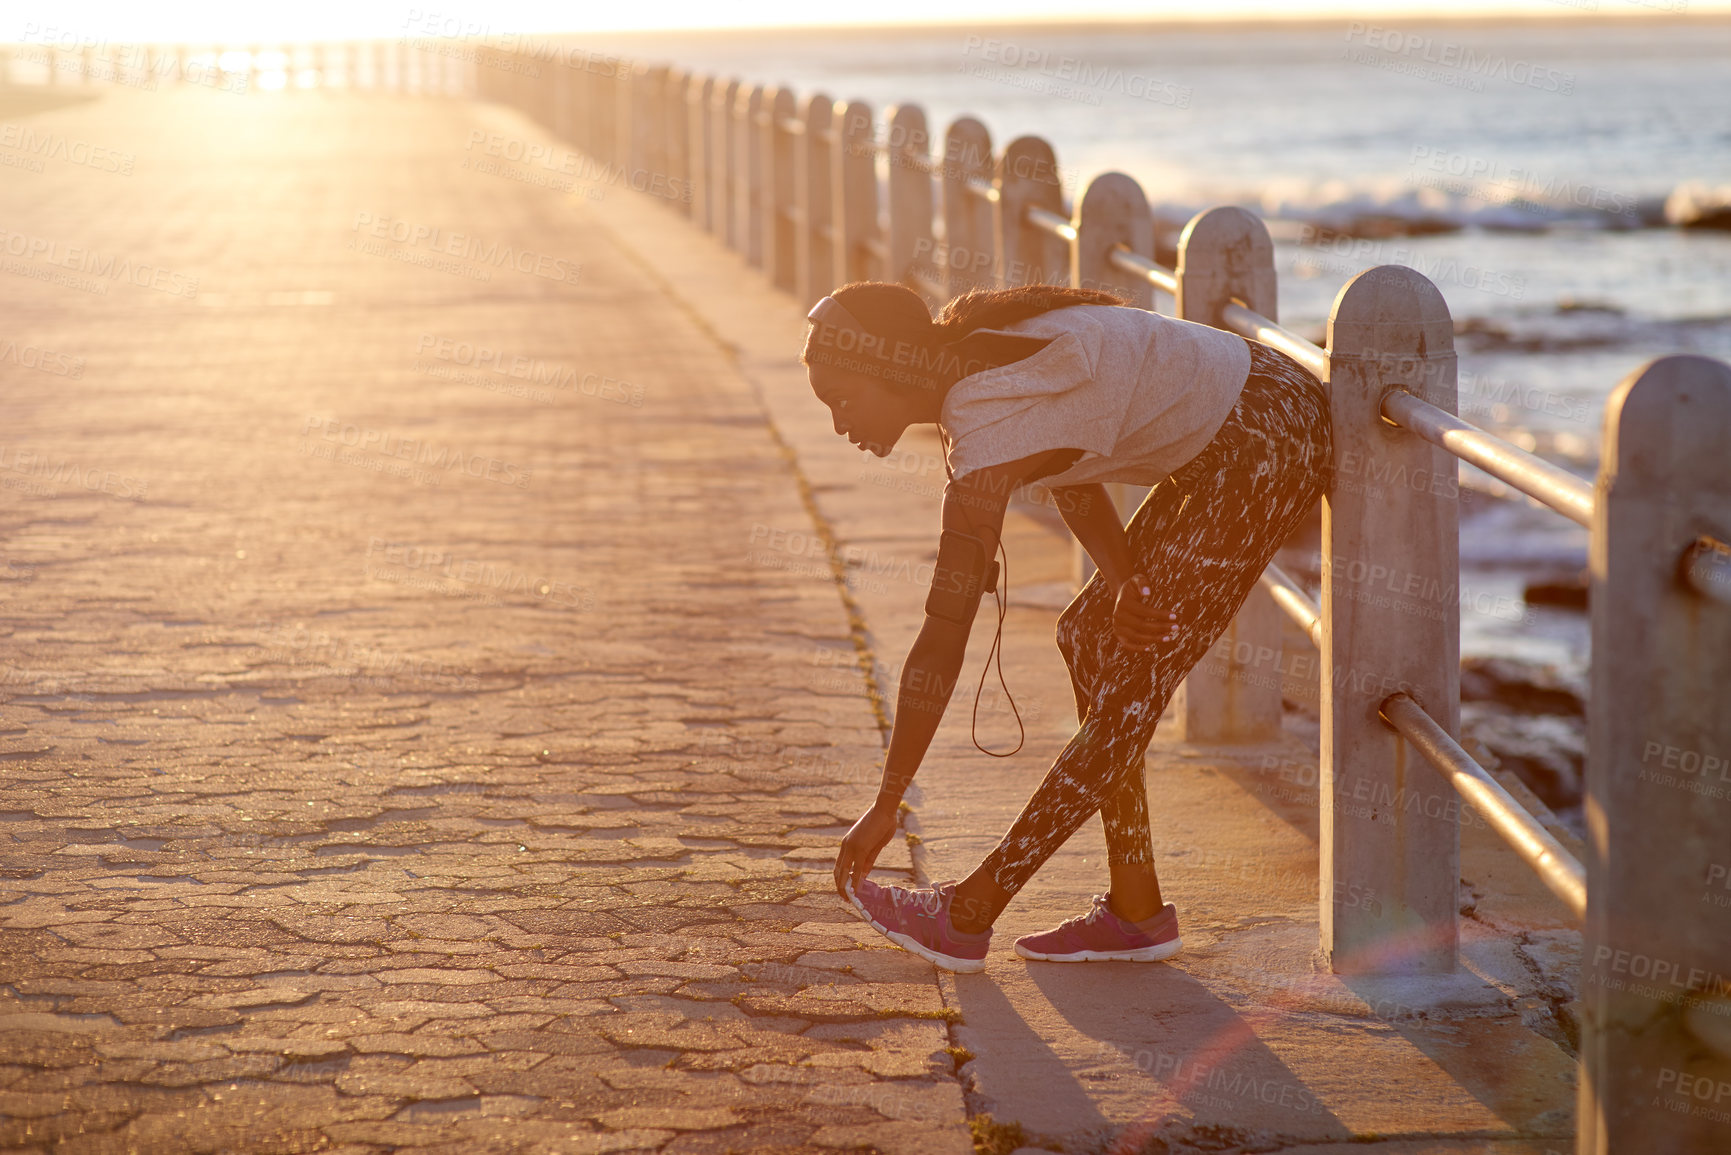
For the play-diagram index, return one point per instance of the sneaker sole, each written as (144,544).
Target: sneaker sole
(1159,952)
(966,966)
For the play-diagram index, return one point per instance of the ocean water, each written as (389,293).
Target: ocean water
(1524,167)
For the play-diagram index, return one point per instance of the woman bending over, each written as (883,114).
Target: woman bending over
(1072,388)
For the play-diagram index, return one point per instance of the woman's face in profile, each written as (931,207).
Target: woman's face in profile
(866,411)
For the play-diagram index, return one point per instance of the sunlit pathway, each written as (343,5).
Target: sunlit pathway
(395,751)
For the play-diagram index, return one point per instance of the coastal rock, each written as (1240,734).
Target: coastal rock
(1522,687)
(1548,752)
(1563,591)
(1697,206)
(1530,719)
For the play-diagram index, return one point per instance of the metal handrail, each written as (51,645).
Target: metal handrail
(982,188)
(1559,870)
(1290,597)
(1051,222)
(1247,322)
(1158,275)
(1548,484)
(1707,569)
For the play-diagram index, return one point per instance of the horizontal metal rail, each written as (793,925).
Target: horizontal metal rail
(1297,604)
(1550,485)
(876,247)
(982,188)
(1559,870)
(1249,323)
(789,125)
(1052,223)
(1138,265)
(1707,568)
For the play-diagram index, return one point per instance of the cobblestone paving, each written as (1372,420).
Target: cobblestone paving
(396,751)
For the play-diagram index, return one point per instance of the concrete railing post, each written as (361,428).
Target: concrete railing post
(484,70)
(676,128)
(1113,211)
(909,244)
(586,85)
(701,151)
(856,193)
(724,182)
(748,173)
(627,151)
(548,89)
(816,197)
(1027,178)
(1656,950)
(1233,694)
(635,114)
(652,127)
(1390,823)
(970,243)
(780,211)
(610,92)
(561,102)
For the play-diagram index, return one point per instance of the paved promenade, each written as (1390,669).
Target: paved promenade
(396,753)
(429,711)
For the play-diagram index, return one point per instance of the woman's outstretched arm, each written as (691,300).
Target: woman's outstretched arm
(973,509)
(1091,516)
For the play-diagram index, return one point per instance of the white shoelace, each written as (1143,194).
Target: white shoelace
(1093,914)
(929,901)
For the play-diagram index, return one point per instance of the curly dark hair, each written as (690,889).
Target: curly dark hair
(996,308)
(894,311)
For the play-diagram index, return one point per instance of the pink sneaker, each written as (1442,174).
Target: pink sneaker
(1101,935)
(918,919)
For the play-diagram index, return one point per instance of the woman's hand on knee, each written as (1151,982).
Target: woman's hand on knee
(861,846)
(1135,623)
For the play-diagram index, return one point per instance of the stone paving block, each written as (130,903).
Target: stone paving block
(900,1138)
(668,1118)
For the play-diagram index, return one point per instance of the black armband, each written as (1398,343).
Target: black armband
(965,571)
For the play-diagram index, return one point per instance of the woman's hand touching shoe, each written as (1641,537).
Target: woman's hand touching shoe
(861,845)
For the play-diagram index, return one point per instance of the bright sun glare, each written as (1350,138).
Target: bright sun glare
(94,21)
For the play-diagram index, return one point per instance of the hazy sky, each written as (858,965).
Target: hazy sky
(67,20)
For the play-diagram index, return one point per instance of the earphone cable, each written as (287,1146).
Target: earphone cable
(1001,595)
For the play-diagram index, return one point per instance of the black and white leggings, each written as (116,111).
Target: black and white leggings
(1202,538)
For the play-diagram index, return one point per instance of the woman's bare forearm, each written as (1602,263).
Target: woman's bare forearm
(1091,516)
(928,677)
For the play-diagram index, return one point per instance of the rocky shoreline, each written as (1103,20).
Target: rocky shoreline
(1529,719)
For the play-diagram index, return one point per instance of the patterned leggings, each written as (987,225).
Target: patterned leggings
(1202,538)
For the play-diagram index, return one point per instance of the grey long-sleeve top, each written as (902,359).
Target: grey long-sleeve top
(1140,394)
